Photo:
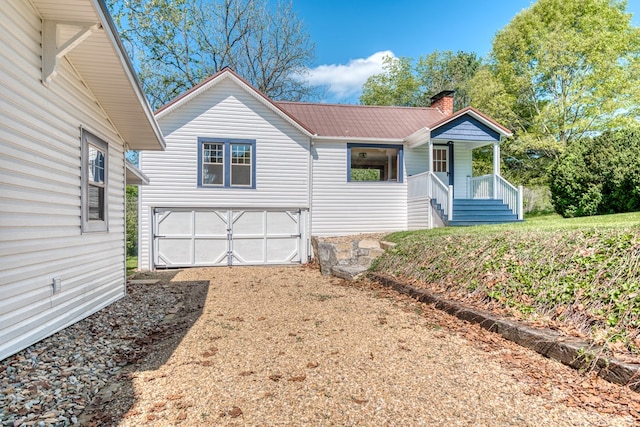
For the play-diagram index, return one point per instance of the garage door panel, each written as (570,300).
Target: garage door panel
(211,223)
(282,223)
(174,252)
(210,252)
(248,251)
(248,223)
(175,223)
(282,250)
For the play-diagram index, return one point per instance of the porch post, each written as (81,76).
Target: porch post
(496,158)
(496,167)
(430,158)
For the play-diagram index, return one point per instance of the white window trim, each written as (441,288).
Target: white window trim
(92,226)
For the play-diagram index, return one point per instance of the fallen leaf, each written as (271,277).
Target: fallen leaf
(235,412)
(275,377)
(174,397)
(246,373)
(359,401)
(181,416)
(298,378)
(312,365)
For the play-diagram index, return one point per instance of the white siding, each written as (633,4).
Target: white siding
(224,111)
(416,160)
(40,235)
(419,214)
(343,208)
(462,164)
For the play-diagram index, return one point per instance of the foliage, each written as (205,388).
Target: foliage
(132,264)
(410,83)
(573,274)
(559,71)
(598,175)
(132,220)
(178,43)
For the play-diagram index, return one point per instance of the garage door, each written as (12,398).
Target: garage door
(210,237)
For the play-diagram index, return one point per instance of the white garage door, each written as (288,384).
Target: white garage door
(210,237)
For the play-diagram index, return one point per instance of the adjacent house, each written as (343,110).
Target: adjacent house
(70,106)
(247,180)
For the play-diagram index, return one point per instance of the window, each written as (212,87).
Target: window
(95,160)
(226,163)
(374,162)
(440,159)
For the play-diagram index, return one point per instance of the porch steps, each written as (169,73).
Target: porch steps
(479,212)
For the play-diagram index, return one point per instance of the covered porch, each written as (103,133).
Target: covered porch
(456,197)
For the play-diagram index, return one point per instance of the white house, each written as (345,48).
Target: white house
(247,180)
(70,106)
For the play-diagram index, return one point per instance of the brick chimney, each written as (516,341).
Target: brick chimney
(443,101)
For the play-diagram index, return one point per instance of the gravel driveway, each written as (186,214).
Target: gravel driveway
(286,346)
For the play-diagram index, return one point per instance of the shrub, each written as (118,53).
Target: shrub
(598,176)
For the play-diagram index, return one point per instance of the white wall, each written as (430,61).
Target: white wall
(462,164)
(342,208)
(224,111)
(40,186)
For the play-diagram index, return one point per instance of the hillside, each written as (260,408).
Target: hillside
(580,275)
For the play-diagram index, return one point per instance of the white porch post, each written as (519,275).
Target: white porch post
(496,158)
(496,167)
(430,159)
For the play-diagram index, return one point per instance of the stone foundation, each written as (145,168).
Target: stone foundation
(347,257)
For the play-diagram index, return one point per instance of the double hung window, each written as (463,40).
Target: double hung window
(95,159)
(226,163)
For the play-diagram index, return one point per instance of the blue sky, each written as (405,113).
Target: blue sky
(352,37)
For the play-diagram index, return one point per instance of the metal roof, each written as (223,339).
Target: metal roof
(360,121)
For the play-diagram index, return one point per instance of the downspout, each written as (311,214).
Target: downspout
(310,198)
(124,205)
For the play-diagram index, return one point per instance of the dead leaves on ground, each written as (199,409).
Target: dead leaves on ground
(234,412)
(544,377)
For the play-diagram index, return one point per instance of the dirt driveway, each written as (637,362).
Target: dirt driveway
(286,346)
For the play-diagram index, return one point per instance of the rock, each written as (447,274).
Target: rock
(369,244)
(348,272)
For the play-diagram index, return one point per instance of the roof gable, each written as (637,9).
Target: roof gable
(469,117)
(227,74)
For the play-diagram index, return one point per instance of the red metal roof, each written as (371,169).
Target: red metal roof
(352,121)
(362,121)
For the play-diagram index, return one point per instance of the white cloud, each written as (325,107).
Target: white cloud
(346,80)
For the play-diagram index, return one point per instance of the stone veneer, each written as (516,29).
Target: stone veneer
(349,256)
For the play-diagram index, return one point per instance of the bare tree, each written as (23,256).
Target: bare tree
(178,43)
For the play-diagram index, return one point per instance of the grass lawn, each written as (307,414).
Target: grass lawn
(132,264)
(580,274)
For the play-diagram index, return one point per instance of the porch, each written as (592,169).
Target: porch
(487,199)
(447,193)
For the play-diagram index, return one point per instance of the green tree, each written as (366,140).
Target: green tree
(598,175)
(406,82)
(562,70)
(132,220)
(178,43)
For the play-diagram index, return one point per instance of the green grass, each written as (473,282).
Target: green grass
(580,274)
(132,264)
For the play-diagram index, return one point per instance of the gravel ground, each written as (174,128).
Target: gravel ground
(286,346)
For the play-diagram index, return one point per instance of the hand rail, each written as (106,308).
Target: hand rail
(428,185)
